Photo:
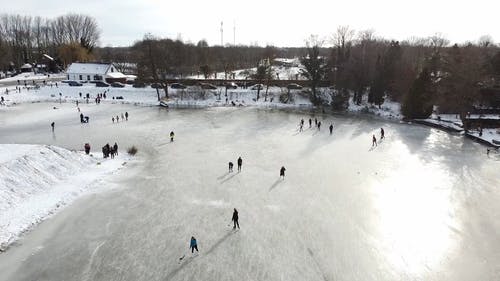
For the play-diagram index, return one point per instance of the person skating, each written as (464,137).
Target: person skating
(172,136)
(310,122)
(87,148)
(113,119)
(382,133)
(240,162)
(123,117)
(316,121)
(230,167)
(115,148)
(319,125)
(235,219)
(117,119)
(126,116)
(374,141)
(331,128)
(52,125)
(193,245)
(282,172)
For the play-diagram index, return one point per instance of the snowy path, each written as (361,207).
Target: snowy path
(420,206)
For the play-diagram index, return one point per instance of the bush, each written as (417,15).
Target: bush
(132,150)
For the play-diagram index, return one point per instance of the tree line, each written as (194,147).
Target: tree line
(418,72)
(26,39)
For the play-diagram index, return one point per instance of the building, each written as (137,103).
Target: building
(92,72)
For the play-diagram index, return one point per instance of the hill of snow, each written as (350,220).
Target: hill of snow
(38,179)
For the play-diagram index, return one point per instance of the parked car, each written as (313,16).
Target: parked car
(117,85)
(257,87)
(74,83)
(231,85)
(139,85)
(178,86)
(101,84)
(156,86)
(294,86)
(208,86)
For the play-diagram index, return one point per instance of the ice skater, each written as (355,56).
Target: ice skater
(115,148)
(319,126)
(282,172)
(235,219)
(113,119)
(331,128)
(172,136)
(230,167)
(193,245)
(52,125)
(126,116)
(374,141)
(382,133)
(117,119)
(310,123)
(240,162)
(123,117)
(316,121)
(301,126)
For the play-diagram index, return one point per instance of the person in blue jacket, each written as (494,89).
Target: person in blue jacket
(193,244)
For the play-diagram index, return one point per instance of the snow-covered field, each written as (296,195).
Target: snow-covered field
(28,77)
(38,179)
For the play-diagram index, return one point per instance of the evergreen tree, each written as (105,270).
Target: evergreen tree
(315,68)
(417,103)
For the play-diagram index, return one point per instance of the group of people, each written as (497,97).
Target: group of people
(84,119)
(109,151)
(117,118)
(240,163)
(382,136)
(317,124)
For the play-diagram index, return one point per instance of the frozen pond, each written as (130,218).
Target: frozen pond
(423,205)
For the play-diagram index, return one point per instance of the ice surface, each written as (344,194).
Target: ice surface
(422,205)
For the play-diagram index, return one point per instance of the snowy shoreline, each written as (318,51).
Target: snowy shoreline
(38,180)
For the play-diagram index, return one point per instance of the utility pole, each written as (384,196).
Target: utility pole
(222,33)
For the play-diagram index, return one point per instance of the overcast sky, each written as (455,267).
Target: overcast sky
(280,23)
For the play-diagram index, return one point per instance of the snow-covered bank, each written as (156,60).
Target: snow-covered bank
(489,136)
(36,180)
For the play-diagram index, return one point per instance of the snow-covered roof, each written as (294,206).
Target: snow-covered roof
(88,68)
(116,75)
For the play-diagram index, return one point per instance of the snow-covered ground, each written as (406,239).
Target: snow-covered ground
(280,72)
(31,76)
(185,98)
(38,179)
(491,136)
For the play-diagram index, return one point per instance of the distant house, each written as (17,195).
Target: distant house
(92,72)
(26,68)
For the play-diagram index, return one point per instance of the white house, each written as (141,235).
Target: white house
(78,71)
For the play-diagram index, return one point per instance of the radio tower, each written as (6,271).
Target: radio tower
(222,34)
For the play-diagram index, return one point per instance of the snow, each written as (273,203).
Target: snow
(444,124)
(88,68)
(389,109)
(39,179)
(30,76)
(489,135)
